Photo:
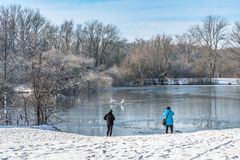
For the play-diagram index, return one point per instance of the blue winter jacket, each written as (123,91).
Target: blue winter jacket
(169,114)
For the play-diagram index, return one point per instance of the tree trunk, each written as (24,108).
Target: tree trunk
(5,78)
(38,113)
(5,108)
(25,113)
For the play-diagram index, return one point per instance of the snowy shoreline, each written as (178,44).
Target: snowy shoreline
(35,144)
(195,81)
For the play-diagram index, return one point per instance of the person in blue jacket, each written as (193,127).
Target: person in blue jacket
(168,115)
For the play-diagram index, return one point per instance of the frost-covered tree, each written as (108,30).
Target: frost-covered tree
(8,53)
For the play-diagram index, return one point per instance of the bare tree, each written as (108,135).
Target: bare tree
(152,59)
(158,52)
(234,48)
(37,37)
(162,52)
(102,41)
(186,58)
(138,59)
(93,32)
(79,39)
(53,36)
(133,65)
(66,33)
(186,46)
(8,35)
(210,36)
(110,44)
(235,39)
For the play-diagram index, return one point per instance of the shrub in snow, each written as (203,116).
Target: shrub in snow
(95,81)
(116,75)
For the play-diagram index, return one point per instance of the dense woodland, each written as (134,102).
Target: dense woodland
(63,59)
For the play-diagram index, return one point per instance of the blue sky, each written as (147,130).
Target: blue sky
(136,18)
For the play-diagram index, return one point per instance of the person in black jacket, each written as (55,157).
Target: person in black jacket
(109,117)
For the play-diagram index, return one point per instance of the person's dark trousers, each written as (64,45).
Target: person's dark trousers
(171,127)
(109,131)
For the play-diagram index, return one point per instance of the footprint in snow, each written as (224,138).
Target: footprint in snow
(104,151)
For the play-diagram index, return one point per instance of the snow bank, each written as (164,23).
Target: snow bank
(226,81)
(42,127)
(35,144)
(196,81)
(46,127)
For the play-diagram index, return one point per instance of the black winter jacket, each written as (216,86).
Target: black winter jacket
(109,117)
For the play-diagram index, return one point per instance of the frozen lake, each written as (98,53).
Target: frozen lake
(196,108)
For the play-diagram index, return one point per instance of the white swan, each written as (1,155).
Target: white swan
(112,100)
(122,102)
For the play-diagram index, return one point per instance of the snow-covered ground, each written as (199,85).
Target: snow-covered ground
(35,144)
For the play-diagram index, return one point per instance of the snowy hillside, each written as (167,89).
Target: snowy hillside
(35,144)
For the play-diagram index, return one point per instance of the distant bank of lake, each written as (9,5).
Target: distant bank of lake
(195,81)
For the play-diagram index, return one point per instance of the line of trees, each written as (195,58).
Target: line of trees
(52,59)
(209,49)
